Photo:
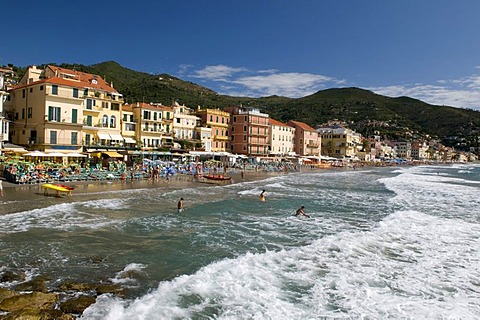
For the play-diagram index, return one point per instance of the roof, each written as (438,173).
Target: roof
(148,106)
(72,78)
(302,125)
(79,79)
(274,122)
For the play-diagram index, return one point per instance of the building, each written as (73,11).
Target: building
(340,142)
(218,121)
(184,122)
(249,131)
(154,124)
(129,127)
(281,138)
(306,140)
(403,149)
(4,124)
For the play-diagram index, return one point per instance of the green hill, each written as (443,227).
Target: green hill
(363,110)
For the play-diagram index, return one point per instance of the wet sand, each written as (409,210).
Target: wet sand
(18,198)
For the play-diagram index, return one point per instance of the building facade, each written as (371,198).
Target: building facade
(249,131)
(281,138)
(306,139)
(219,122)
(340,142)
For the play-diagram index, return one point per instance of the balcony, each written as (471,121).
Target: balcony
(220,138)
(312,145)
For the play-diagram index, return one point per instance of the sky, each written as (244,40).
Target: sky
(424,49)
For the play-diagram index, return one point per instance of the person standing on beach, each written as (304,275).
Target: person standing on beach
(1,188)
(180,205)
(262,196)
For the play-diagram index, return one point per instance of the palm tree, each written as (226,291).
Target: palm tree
(329,147)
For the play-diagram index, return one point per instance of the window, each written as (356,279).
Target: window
(105,104)
(41,88)
(23,93)
(211,118)
(105,121)
(73,138)
(54,114)
(75,92)
(31,90)
(85,92)
(89,104)
(115,106)
(23,113)
(125,117)
(146,115)
(30,112)
(87,139)
(54,89)
(155,116)
(89,121)
(131,118)
(244,128)
(113,122)
(74,115)
(53,137)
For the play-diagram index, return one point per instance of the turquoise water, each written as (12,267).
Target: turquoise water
(381,243)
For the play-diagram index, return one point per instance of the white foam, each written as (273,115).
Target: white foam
(411,266)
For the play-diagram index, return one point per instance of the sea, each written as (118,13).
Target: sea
(381,243)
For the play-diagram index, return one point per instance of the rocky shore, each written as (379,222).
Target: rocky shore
(35,299)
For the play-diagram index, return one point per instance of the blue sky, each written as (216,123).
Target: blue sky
(429,50)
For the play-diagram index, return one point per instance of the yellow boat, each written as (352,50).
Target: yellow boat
(55,187)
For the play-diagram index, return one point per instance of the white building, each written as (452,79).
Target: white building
(4,126)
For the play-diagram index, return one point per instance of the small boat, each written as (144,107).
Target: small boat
(57,188)
(218,178)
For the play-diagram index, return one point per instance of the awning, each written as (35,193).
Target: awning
(103,136)
(129,140)
(116,137)
(74,154)
(112,154)
(36,154)
(56,154)
(9,147)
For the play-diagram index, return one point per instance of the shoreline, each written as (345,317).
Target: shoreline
(19,198)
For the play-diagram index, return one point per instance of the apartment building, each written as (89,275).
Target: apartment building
(218,122)
(340,142)
(306,139)
(249,131)
(281,138)
(154,125)
(4,124)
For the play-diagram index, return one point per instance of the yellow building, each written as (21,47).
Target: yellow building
(218,121)
(58,109)
(340,142)
(153,125)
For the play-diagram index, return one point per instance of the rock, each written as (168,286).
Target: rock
(76,286)
(32,314)
(10,276)
(77,305)
(5,293)
(110,288)
(34,300)
(37,284)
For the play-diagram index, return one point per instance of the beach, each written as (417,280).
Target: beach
(381,242)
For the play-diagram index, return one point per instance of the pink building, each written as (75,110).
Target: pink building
(249,133)
(306,139)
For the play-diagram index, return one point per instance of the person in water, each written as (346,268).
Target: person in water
(300,212)
(180,205)
(262,196)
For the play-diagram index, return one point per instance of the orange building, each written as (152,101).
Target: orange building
(249,131)
(219,122)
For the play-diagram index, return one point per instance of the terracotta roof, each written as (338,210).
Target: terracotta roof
(148,106)
(81,79)
(302,125)
(127,107)
(274,122)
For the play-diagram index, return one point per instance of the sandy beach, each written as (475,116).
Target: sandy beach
(19,198)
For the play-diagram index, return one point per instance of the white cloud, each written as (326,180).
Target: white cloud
(435,94)
(217,73)
(284,84)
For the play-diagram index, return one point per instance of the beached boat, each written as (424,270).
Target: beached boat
(218,177)
(57,188)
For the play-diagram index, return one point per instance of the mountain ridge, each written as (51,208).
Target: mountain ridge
(402,117)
